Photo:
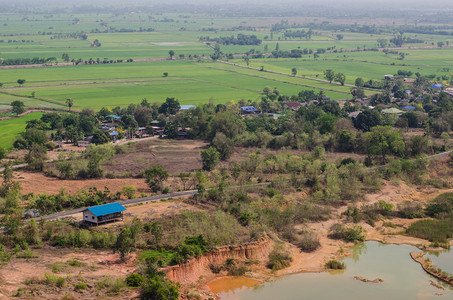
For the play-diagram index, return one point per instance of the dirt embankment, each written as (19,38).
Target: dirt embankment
(191,271)
(430,268)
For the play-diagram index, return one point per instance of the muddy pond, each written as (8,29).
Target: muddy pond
(402,278)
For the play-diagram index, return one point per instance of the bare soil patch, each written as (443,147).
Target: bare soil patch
(95,266)
(175,155)
(38,183)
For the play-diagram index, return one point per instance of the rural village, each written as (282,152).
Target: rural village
(215,151)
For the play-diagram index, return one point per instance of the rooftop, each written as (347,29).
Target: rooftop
(106,209)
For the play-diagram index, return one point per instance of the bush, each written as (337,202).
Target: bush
(134,280)
(309,242)
(279,259)
(442,204)
(80,286)
(335,265)
(410,210)
(160,288)
(432,230)
(129,191)
(348,234)
(2,153)
(237,271)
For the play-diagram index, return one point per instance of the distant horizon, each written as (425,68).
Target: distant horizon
(375,4)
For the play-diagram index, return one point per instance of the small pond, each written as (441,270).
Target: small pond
(403,278)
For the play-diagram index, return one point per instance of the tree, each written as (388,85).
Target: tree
(169,107)
(294,71)
(8,183)
(382,43)
(31,233)
(2,153)
(210,158)
(124,244)
(171,53)
(18,107)
(224,145)
(165,74)
(398,39)
(247,60)
(359,82)
(65,57)
(69,103)
(155,176)
(20,81)
(329,75)
(357,93)
(160,288)
(340,77)
(100,137)
(36,157)
(383,141)
(339,37)
(367,119)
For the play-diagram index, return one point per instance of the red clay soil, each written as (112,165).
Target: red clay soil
(38,183)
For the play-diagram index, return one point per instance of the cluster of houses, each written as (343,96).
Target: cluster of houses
(109,125)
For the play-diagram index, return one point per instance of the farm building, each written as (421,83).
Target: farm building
(103,213)
(294,105)
(249,110)
(187,107)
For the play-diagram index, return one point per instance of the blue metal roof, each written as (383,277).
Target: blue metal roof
(437,86)
(410,107)
(114,133)
(114,116)
(249,109)
(187,107)
(102,210)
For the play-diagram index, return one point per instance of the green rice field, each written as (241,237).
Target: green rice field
(9,129)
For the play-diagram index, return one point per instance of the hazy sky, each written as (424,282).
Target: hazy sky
(371,4)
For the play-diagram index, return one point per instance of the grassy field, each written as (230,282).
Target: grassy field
(111,85)
(95,86)
(9,129)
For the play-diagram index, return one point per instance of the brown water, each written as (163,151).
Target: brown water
(403,279)
(232,284)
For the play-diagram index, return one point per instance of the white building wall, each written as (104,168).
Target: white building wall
(88,216)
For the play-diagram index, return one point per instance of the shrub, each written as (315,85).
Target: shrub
(279,259)
(348,234)
(160,288)
(410,210)
(442,204)
(129,191)
(134,280)
(215,269)
(80,286)
(335,265)
(309,242)
(113,285)
(432,230)
(237,271)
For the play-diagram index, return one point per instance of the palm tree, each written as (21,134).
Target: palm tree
(70,103)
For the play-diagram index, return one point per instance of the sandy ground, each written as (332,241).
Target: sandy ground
(97,264)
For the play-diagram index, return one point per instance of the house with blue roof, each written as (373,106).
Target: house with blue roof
(249,110)
(100,214)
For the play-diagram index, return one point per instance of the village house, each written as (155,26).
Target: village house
(294,105)
(103,213)
(249,110)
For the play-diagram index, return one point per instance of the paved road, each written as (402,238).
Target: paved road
(124,203)
(182,194)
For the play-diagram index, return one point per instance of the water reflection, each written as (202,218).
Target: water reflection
(402,279)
